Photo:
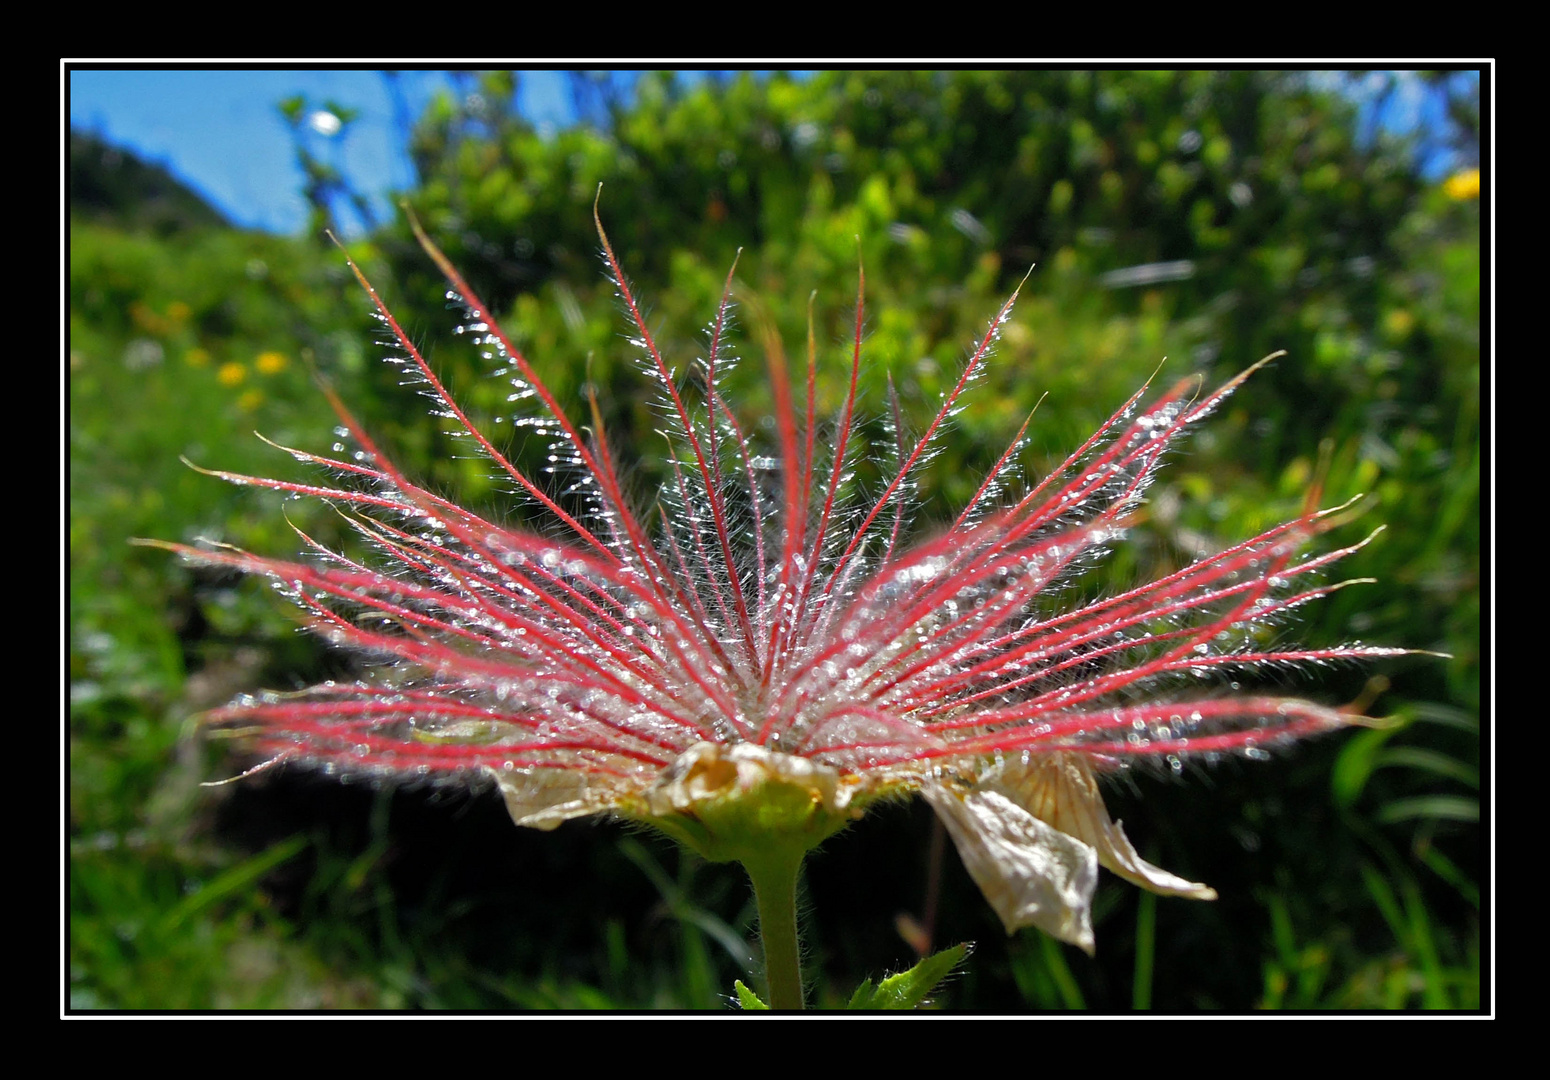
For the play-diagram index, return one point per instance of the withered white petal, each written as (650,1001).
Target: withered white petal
(1060,789)
(546,798)
(1032,873)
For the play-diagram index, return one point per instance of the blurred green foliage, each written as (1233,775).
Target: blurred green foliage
(1207,217)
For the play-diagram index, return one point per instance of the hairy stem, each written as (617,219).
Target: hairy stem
(775,889)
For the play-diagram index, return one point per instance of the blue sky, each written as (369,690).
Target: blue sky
(221,132)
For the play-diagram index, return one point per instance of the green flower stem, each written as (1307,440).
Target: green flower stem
(775,890)
(748,804)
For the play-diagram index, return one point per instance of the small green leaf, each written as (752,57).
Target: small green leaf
(1447,716)
(236,880)
(1445,807)
(1445,868)
(1414,757)
(908,989)
(1357,760)
(748,999)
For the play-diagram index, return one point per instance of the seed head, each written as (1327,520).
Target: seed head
(767,653)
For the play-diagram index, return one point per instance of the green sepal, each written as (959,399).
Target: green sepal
(908,989)
(748,999)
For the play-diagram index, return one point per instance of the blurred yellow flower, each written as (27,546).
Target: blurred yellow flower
(1398,323)
(231,373)
(270,363)
(145,317)
(1464,185)
(250,400)
(178,311)
(197,357)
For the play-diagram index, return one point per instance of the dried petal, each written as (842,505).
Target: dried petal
(1031,873)
(546,798)
(1061,789)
